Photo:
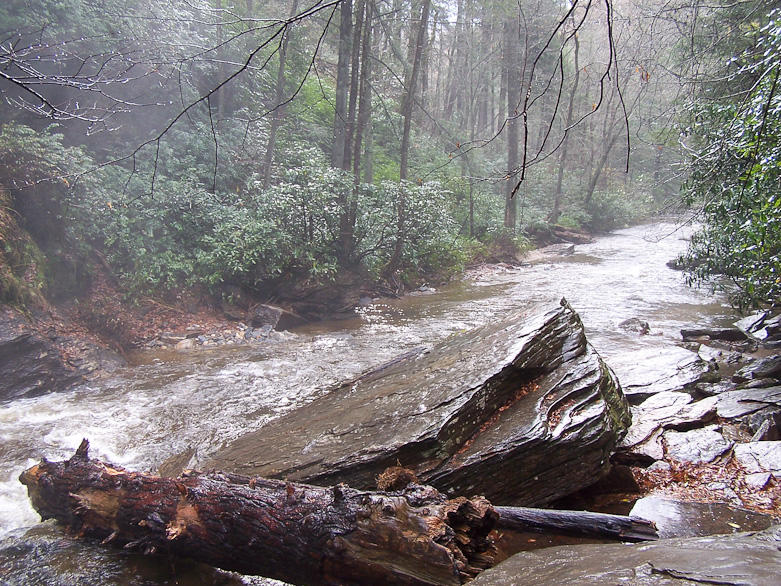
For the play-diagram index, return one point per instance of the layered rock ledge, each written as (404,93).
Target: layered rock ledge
(742,559)
(523,412)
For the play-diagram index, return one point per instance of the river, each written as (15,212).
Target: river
(172,402)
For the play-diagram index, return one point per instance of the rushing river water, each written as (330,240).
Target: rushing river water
(196,401)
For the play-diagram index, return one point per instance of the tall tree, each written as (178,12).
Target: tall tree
(408,102)
(341,107)
(279,106)
(558,194)
(512,69)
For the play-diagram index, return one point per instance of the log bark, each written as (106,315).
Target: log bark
(578,523)
(297,533)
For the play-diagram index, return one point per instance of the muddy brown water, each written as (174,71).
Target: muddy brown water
(195,401)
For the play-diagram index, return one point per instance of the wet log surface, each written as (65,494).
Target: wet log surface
(523,412)
(579,523)
(292,532)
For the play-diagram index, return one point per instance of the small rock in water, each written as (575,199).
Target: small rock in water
(185,344)
(635,325)
(769,366)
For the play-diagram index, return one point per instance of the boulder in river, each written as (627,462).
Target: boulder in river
(270,315)
(741,559)
(523,411)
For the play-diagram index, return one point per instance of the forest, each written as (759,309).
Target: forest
(211,146)
(338,292)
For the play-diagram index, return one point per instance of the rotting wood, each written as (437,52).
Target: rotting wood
(293,532)
(579,523)
(559,522)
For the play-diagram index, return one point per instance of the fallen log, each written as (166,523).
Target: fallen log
(293,532)
(577,523)
(558,522)
(297,533)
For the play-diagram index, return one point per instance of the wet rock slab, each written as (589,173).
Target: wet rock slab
(744,559)
(649,371)
(43,556)
(697,519)
(34,361)
(522,411)
(759,457)
(673,424)
(696,446)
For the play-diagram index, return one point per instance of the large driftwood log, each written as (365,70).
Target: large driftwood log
(293,532)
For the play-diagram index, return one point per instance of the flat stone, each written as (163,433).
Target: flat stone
(726,334)
(668,409)
(522,411)
(741,559)
(649,449)
(659,466)
(760,457)
(741,402)
(648,371)
(713,389)
(752,323)
(696,446)
(675,518)
(769,366)
(757,480)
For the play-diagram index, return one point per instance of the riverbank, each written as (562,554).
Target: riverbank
(258,368)
(104,316)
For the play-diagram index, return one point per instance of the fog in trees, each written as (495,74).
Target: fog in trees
(261,144)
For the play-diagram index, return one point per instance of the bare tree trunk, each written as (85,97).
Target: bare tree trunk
(339,144)
(512,66)
(347,223)
(279,112)
(409,96)
(222,93)
(407,107)
(558,194)
(600,166)
(364,101)
(355,69)
(293,532)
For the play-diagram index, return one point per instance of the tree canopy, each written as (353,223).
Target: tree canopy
(734,125)
(260,142)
